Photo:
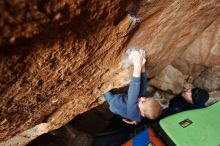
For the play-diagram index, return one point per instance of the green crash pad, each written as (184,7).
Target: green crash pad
(199,127)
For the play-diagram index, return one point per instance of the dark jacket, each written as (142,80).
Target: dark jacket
(178,104)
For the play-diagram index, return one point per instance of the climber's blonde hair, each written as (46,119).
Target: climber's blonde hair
(152,108)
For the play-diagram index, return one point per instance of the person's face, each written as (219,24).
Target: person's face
(141,104)
(187,95)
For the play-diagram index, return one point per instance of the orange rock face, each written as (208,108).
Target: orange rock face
(58,58)
(60,54)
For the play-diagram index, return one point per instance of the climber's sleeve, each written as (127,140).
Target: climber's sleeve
(133,111)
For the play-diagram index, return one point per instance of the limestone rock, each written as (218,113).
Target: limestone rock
(209,79)
(203,53)
(169,27)
(170,79)
(56,67)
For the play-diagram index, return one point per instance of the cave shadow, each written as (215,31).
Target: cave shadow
(90,127)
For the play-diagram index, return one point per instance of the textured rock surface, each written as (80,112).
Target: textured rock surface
(199,64)
(58,57)
(56,74)
(169,27)
(165,80)
(209,79)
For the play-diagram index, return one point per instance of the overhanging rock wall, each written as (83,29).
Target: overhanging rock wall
(58,58)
